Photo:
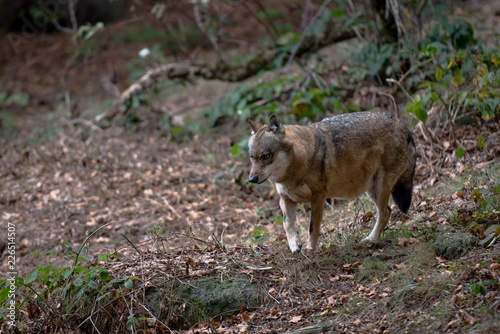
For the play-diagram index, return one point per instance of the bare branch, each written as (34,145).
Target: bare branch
(306,31)
(202,28)
(270,28)
(222,71)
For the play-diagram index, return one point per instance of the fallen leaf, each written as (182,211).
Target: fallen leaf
(33,311)
(367,217)
(346,276)
(400,265)
(296,319)
(402,241)
(331,300)
(469,318)
(453,324)
(495,265)
(325,312)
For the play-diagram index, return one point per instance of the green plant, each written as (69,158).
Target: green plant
(18,99)
(86,31)
(487,210)
(462,74)
(260,236)
(8,126)
(373,269)
(373,61)
(70,283)
(307,96)
(481,287)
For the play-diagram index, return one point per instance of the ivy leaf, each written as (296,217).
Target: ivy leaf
(338,13)
(32,276)
(104,275)
(4,294)
(459,152)
(482,69)
(495,60)
(235,150)
(481,141)
(462,35)
(439,74)
(129,284)
(421,114)
(78,281)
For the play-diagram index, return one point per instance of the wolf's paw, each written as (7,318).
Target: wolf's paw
(374,242)
(294,244)
(368,241)
(295,248)
(310,246)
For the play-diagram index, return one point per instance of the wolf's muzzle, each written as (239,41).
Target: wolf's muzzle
(253,179)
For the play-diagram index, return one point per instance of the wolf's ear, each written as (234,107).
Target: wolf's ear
(254,125)
(275,125)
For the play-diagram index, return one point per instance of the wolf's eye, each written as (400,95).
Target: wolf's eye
(266,156)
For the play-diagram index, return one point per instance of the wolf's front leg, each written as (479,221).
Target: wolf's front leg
(289,207)
(317,207)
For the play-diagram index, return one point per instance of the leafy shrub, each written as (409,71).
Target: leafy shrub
(298,96)
(373,62)
(463,75)
(69,282)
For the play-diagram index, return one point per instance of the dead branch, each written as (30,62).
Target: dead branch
(328,326)
(222,71)
(306,31)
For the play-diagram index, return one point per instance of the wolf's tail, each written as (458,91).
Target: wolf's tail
(403,189)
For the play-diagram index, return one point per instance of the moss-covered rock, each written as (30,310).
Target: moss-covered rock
(451,243)
(185,304)
(179,304)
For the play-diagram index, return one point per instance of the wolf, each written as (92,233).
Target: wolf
(342,156)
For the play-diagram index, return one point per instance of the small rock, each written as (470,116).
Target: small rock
(451,243)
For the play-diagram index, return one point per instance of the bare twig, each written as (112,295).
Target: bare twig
(87,123)
(308,7)
(158,320)
(420,8)
(398,82)
(132,244)
(200,25)
(393,101)
(214,238)
(85,241)
(394,6)
(306,30)
(323,327)
(447,108)
(270,28)
(71,9)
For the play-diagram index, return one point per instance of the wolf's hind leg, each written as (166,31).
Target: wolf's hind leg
(379,194)
(289,207)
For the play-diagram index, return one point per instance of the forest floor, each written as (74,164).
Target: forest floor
(184,199)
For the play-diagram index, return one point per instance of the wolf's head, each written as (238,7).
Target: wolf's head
(268,149)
